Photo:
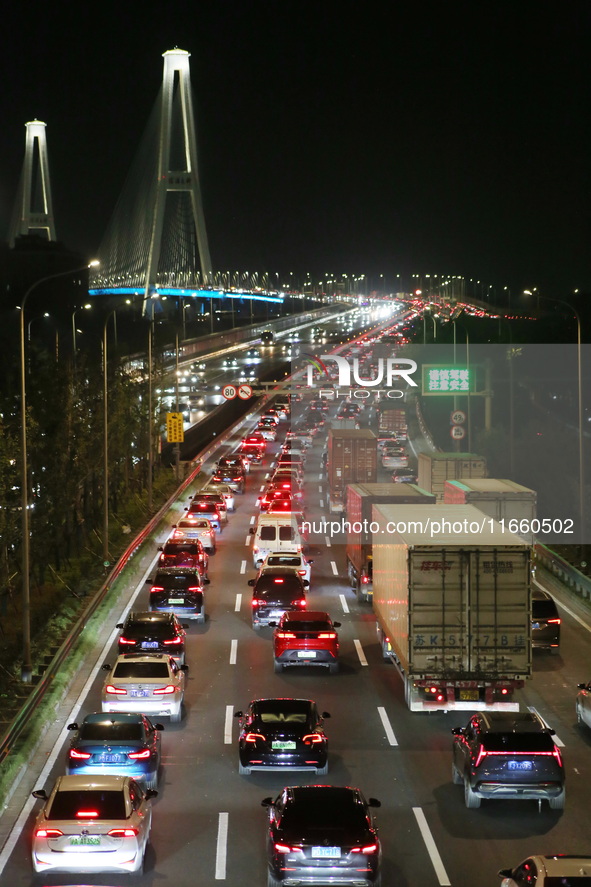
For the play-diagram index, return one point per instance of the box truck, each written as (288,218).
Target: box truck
(452,599)
(504,500)
(435,468)
(352,458)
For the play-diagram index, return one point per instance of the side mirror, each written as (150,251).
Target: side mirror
(41,794)
(251,531)
(238,714)
(306,584)
(173,526)
(251,582)
(106,667)
(184,624)
(186,509)
(337,624)
(266,802)
(504,873)
(272,624)
(151,793)
(311,562)
(158,727)
(582,686)
(206,581)
(119,625)
(551,731)
(148,581)
(184,667)
(458,731)
(73,726)
(325,714)
(373,802)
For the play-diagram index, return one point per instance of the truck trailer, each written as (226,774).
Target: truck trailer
(452,599)
(360,499)
(352,458)
(435,468)
(503,500)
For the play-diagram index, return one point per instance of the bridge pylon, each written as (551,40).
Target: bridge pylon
(184,175)
(33,210)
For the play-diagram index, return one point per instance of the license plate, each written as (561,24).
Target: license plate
(139,693)
(85,839)
(520,765)
(176,600)
(326,852)
(149,645)
(469,695)
(535,625)
(306,654)
(283,746)
(108,759)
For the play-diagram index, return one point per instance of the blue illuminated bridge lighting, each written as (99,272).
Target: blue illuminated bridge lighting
(189,293)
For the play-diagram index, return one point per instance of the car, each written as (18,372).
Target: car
(545,622)
(295,560)
(502,754)
(151,684)
(153,633)
(306,638)
(92,824)
(405,477)
(202,502)
(322,834)
(233,460)
(549,871)
(255,437)
(271,413)
(280,505)
(184,553)
(275,592)
(190,528)
(121,743)
(282,405)
(269,432)
(208,510)
(221,487)
(295,447)
(253,451)
(178,591)
(583,704)
(273,494)
(304,440)
(282,734)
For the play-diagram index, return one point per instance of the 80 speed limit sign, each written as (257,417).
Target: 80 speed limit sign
(229,392)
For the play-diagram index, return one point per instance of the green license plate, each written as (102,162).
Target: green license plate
(283,746)
(85,840)
(176,600)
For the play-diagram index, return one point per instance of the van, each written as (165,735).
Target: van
(275,533)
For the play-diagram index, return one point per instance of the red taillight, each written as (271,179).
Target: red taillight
(480,756)
(371,848)
(504,691)
(123,833)
(301,572)
(256,602)
(79,755)
(156,588)
(177,641)
(87,814)
(553,621)
(285,634)
(123,640)
(194,588)
(557,755)
(252,737)
(301,602)
(139,755)
(117,690)
(324,635)
(282,848)
(313,737)
(365,580)
(48,833)
(161,691)
(278,581)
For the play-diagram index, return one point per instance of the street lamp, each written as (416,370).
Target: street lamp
(106,446)
(27,666)
(74,313)
(39,317)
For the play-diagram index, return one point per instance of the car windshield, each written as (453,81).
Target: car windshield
(280,711)
(314,626)
(173,548)
(140,629)
(518,742)
(315,809)
(111,731)
(141,670)
(282,560)
(269,583)
(177,580)
(95,804)
(544,609)
(193,525)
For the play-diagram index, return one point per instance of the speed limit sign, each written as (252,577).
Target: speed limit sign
(457,432)
(458,417)
(229,392)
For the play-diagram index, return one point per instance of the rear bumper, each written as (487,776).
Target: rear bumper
(518,791)
(292,657)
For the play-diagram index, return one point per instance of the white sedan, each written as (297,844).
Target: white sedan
(583,704)
(294,559)
(92,824)
(152,684)
(196,528)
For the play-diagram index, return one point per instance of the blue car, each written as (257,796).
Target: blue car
(115,743)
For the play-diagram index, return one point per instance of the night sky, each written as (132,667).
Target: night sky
(359,137)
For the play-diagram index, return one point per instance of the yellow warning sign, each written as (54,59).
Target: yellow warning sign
(174,428)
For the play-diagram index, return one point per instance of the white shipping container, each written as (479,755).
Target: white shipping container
(503,500)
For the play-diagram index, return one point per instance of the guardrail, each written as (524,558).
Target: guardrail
(26,712)
(572,578)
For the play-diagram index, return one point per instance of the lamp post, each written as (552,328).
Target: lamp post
(27,667)
(106,446)
(74,313)
(39,317)
(150,415)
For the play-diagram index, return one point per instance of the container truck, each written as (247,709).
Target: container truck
(352,458)
(360,499)
(391,423)
(452,599)
(435,468)
(504,500)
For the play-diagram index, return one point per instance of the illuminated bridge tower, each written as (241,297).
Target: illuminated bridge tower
(33,211)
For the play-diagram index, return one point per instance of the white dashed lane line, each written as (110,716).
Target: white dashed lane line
(243,568)
(233,652)
(431,847)
(344,603)
(228,725)
(328,543)
(222,847)
(387,725)
(238,603)
(360,652)
(335,569)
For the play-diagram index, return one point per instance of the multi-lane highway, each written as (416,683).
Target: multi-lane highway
(208,824)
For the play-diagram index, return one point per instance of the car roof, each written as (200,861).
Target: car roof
(143,657)
(114,717)
(307,616)
(511,722)
(149,617)
(538,595)
(565,865)
(331,793)
(92,783)
(279,571)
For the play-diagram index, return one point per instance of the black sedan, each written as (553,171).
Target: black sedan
(322,834)
(153,633)
(279,734)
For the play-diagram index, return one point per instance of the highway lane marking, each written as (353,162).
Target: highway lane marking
(238,603)
(247,542)
(320,488)
(228,725)
(267,476)
(262,488)
(233,652)
(334,568)
(432,850)
(327,541)
(555,737)
(564,607)
(252,520)
(243,568)
(19,825)
(222,847)
(387,725)
(344,603)
(321,503)
(360,652)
